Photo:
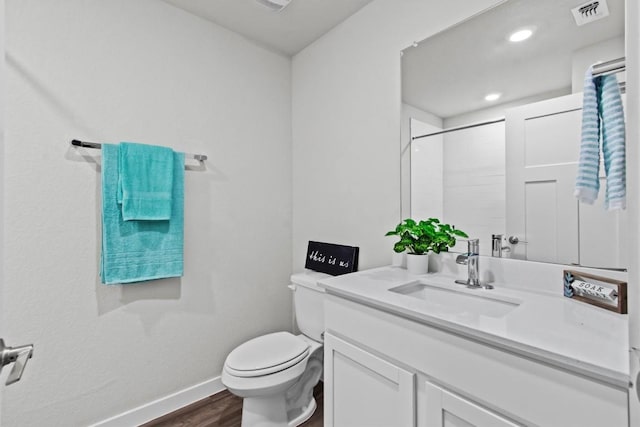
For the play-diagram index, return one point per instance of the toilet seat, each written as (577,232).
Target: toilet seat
(266,355)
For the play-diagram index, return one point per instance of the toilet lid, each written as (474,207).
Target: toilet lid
(266,354)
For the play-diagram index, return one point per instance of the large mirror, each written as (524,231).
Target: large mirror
(491,129)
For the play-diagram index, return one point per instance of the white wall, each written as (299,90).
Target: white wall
(599,52)
(416,181)
(498,111)
(408,114)
(427,186)
(140,71)
(346,124)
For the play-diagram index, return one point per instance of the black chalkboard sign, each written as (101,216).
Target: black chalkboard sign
(331,259)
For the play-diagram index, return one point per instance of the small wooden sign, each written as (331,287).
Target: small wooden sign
(331,258)
(600,291)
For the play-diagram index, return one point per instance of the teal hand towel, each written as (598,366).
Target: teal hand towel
(139,250)
(145,181)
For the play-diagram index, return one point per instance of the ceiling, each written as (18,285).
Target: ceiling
(288,31)
(450,73)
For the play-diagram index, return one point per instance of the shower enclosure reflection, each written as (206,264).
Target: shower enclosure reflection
(460,176)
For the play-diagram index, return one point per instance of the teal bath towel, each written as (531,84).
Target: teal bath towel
(144,181)
(135,251)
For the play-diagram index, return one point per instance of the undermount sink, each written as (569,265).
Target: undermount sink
(460,300)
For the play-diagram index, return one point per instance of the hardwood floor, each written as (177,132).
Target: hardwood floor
(223,410)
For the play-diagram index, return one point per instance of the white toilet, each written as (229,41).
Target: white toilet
(275,373)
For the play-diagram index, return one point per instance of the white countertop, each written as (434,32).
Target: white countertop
(549,328)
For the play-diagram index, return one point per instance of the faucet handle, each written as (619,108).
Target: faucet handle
(498,245)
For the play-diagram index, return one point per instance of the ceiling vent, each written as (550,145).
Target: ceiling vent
(590,11)
(275,5)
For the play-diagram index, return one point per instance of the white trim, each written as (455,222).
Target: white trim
(633,196)
(164,405)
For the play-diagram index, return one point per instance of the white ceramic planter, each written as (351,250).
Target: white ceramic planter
(418,264)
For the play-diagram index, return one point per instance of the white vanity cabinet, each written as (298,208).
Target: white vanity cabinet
(365,390)
(446,409)
(382,369)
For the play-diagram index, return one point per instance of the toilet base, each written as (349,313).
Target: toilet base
(264,411)
(305,414)
(270,411)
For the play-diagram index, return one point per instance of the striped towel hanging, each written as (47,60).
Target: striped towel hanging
(602,121)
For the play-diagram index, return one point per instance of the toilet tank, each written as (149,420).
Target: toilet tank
(308,303)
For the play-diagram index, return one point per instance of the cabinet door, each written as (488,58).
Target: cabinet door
(363,390)
(445,409)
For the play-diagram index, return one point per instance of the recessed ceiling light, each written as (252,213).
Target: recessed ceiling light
(492,96)
(521,35)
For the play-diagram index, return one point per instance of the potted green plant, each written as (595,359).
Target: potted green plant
(418,238)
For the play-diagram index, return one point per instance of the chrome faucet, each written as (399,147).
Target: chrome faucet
(472,260)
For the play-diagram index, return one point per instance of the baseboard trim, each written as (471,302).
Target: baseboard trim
(157,408)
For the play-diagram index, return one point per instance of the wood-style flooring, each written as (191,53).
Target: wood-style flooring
(223,410)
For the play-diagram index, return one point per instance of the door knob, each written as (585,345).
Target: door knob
(514,240)
(16,355)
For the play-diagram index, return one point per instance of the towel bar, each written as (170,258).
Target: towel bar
(609,67)
(86,144)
